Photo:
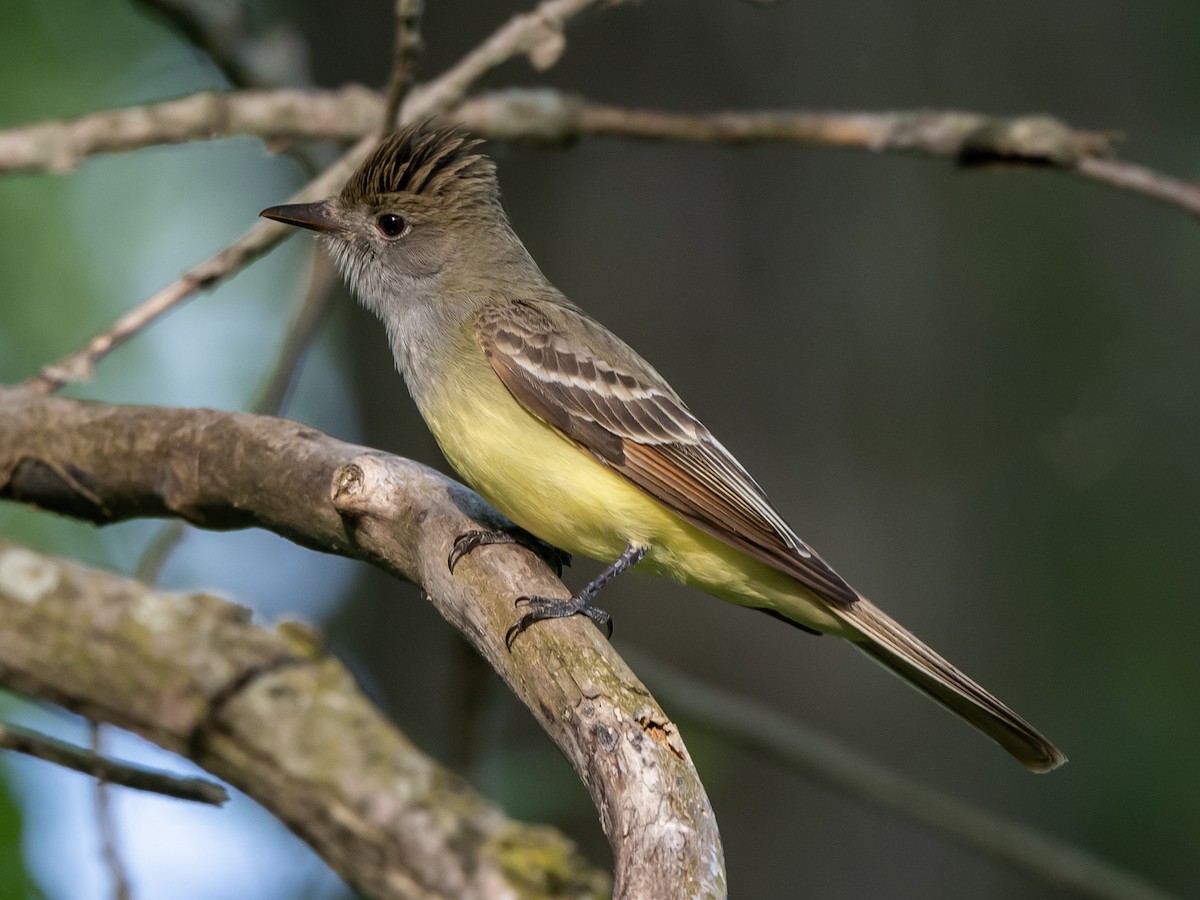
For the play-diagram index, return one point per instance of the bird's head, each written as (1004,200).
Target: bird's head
(423,203)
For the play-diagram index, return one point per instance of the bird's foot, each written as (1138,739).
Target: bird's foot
(581,604)
(465,543)
(540,608)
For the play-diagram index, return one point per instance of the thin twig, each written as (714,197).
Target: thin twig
(537,34)
(273,396)
(551,116)
(971,139)
(158,550)
(408,50)
(271,399)
(262,237)
(127,775)
(746,722)
(273,58)
(1129,176)
(106,824)
(1035,139)
(469,701)
(59,145)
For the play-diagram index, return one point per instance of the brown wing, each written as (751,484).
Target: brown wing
(578,377)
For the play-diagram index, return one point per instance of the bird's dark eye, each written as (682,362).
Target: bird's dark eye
(391,224)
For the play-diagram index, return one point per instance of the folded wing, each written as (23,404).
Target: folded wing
(573,374)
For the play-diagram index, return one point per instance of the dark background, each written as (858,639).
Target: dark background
(973,392)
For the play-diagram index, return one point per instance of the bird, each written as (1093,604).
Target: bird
(570,433)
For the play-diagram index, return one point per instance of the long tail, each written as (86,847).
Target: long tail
(900,651)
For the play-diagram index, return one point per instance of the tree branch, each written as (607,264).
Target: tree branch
(105,463)
(271,398)
(58,145)
(220,31)
(550,116)
(971,139)
(110,843)
(407,50)
(273,715)
(537,34)
(139,778)
(254,243)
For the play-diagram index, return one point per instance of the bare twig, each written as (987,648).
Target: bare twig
(110,844)
(254,243)
(971,139)
(408,50)
(271,400)
(537,34)
(158,550)
(127,775)
(220,30)
(744,721)
(1129,176)
(232,470)
(547,115)
(301,332)
(59,145)
(1033,139)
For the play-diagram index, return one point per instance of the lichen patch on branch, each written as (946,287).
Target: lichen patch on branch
(25,576)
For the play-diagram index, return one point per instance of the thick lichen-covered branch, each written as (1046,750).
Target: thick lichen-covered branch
(273,715)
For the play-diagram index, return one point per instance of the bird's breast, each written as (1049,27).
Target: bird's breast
(533,474)
(559,492)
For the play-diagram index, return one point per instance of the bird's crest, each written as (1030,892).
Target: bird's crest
(435,163)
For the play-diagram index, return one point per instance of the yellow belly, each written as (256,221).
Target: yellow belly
(559,492)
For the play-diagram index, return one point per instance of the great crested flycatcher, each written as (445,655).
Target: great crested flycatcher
(566,430)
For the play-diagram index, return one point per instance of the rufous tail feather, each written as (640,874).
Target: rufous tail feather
(899,650)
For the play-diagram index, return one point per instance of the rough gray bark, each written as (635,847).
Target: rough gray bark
(271,714)
(105,463)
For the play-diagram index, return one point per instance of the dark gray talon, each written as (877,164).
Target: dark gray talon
(541,608)
(581,604)
(469,541)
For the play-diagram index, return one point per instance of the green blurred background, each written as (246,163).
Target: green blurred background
(973,392)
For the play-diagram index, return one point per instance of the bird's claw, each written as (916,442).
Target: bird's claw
(555,608)
(465,543)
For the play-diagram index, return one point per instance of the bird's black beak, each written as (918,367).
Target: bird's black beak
(313,216)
